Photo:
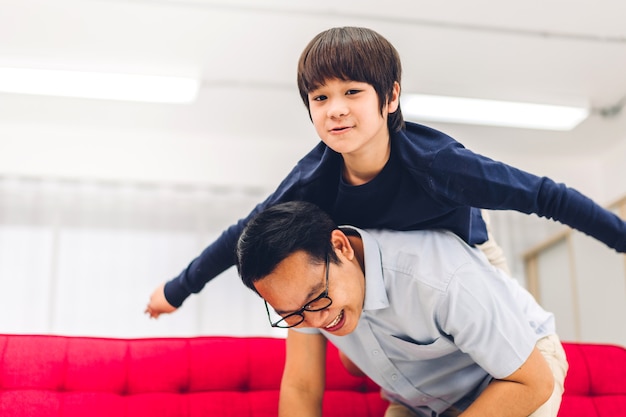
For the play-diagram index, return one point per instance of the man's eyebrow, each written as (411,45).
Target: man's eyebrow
(315,292)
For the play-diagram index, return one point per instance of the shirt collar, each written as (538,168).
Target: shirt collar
(375,292)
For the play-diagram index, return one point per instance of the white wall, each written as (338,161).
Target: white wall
(614,178)
(231,141)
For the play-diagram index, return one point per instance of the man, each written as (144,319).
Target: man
(424,315)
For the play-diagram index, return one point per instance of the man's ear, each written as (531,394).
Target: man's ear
(394,100)
(341,243)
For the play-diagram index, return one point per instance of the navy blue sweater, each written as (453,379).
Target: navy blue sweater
(430,182)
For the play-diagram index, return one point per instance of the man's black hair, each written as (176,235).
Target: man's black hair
(279,231)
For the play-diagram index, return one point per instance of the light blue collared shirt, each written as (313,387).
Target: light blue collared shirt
(438,322)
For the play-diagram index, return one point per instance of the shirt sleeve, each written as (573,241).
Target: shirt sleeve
(486,319)
(471,179)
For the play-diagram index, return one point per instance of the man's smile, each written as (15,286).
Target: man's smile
(335,324)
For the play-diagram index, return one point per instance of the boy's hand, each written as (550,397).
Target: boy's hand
(158,303)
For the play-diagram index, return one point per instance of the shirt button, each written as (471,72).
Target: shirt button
(375,352)
(394,377)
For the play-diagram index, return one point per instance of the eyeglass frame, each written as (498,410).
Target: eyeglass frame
(303,309)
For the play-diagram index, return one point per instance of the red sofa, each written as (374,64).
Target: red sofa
(225,376)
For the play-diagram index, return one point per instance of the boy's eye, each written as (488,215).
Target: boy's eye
(352,92)
(319,98)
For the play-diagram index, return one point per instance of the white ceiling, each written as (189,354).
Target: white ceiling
(246,53)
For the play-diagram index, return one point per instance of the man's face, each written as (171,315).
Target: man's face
(297,280)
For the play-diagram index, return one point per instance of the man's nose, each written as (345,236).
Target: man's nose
(316,318)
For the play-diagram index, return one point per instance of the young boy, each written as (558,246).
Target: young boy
(372,170)
(421,313)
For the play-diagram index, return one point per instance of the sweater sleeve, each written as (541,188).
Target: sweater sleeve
(212,261)
(220,255)
(467,178)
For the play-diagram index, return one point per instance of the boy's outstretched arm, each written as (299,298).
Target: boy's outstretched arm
(220,255)
(167,297)
(474,180)
(302,386)
(517,395)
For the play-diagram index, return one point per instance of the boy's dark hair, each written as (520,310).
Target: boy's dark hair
(352,53)
(279,231)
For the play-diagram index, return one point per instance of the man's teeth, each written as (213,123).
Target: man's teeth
(336,321)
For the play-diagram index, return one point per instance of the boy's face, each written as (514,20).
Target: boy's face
(347,116)
(296,281)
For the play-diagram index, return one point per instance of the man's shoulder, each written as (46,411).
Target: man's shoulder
(426,249)
(415,238)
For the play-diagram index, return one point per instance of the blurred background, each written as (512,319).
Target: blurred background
(102,200)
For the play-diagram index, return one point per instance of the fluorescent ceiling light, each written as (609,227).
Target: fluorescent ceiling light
(111,86)
(490,112)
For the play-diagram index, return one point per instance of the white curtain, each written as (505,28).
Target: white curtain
(81,258)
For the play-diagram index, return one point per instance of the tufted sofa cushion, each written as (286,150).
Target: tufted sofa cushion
(596,381)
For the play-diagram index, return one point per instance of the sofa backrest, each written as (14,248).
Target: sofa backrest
(201,376)
(226,376)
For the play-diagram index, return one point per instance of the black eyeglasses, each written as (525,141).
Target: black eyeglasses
(320,303)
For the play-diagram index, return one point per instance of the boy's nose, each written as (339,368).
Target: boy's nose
(338,109)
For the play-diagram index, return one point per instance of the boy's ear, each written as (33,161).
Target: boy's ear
(341,243)
(394,101)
